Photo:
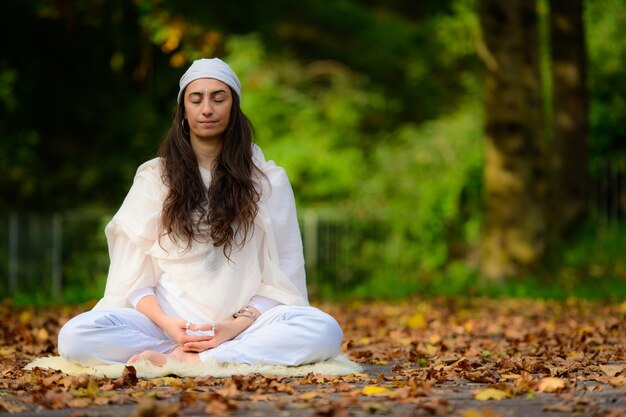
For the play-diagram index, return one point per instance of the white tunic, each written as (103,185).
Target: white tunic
(200,284)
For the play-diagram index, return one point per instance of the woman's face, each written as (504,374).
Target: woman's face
(207,108)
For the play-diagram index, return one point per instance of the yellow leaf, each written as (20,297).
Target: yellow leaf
(404,341)
(42,334)
(7,351)
(551,384)
(167,381)
(365,341)
(491,394)
(485,412)
(417,321)
(309,395)
(510,376)
(375,391)
(431,349)
(90,391)
(381,363)
(25,317)
(358,376)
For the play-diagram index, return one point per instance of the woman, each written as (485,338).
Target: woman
(206,254)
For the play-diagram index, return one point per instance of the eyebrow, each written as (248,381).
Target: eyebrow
(210,92)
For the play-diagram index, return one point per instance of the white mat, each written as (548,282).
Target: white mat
(341,365)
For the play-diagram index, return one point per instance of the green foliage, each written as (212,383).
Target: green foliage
(308,118)
(606,39)
(373,108)
(419,207)
(428,186)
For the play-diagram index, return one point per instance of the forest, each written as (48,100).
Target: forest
(436,147)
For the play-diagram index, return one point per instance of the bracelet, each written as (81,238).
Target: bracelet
(251,314)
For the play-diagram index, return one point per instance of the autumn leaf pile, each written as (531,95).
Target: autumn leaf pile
(471,358)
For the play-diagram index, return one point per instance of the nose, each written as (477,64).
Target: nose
(207,108)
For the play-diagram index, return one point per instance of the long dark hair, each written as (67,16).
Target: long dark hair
(225,213)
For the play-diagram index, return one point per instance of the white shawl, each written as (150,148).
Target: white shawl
(270,264)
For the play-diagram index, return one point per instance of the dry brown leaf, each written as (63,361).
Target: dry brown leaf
(335,409)
(11,407)
(615,412)
(617,381)
(437,405)
(612,370)
(220,405)
(153,408)
(560,407)
(477,340)
(309,395)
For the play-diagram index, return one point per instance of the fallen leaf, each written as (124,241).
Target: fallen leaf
(90,391)
(153,408)
(376,407)
(618,381)
(491,394)
(551,384)
(309,395)
(485,412)
(375,391)
(560,407)
(128,377)
(218,404)
(612,370)
(417,321)
(12,408)
(437,405)
(615,412)
(336,409)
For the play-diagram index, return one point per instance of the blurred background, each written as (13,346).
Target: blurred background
(436,147)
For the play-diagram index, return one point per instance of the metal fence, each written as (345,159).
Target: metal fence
(51,254)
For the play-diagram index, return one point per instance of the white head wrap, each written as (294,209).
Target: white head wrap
(210,68)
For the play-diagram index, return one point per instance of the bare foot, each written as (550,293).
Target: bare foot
(180,355)
(156,358)
(159,359)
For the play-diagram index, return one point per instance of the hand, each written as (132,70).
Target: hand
(224,331)
(177,329)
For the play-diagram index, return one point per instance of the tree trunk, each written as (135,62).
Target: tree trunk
(570,100)
(513,239)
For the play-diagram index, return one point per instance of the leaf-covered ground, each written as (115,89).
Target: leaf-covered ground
(472,358)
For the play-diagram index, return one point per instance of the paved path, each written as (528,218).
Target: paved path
(446,399)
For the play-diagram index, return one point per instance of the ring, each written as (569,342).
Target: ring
(213,327)
(187,325)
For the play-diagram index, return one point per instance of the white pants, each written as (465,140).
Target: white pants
(284,335)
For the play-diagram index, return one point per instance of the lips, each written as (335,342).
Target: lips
(208,123)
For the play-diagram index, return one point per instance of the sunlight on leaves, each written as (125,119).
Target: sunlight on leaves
(491,394)
(375,391)
(551,384)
